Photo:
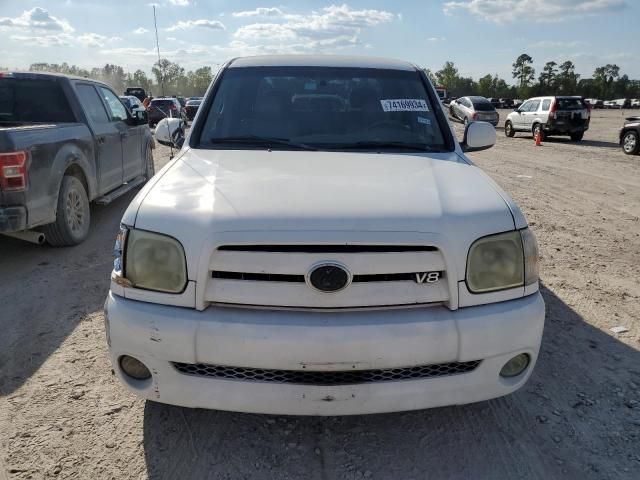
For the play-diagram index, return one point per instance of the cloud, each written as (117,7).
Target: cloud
(62,40)
(334,27)
(95,40)
(557,44)
(504,11)
(259,12)
(185,25)
(140,31)
(179,3)
(436,39)
(36,19)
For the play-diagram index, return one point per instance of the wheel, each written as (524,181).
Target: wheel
(577,136)
(149,167)
(72,215)
(508,129)
(452,113)
(538,128)
(631,143)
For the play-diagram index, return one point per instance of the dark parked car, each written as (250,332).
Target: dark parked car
(160,108)
(137,92)
(495,102)
(506,103)
(192,108)
(65,141)
(630,136)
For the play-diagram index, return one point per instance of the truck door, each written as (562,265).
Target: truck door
(130,134)
(107,139)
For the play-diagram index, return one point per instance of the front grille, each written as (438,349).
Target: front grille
(281,277)
(349,377)
(327,248)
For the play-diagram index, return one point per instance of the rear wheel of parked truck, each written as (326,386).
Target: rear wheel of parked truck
(577,136)
(631,143)
(72,215)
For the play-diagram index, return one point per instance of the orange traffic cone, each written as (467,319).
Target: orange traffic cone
(538,138)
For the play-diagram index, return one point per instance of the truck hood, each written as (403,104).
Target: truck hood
(208,192)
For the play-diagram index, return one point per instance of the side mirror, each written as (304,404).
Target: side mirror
(170,132)
(478,136)
(140,117)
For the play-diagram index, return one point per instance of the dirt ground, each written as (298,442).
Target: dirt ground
(63,414)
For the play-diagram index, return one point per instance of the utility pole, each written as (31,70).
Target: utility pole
(155,23)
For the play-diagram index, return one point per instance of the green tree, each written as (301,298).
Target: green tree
(604,77)
(448,76)
(485,86)
(430,76)
(548,77)
(567,79)
(140,79)
(523,72)
(167,74)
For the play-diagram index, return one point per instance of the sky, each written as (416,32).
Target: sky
(480,36)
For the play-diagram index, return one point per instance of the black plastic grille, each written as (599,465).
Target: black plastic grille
(283,277)
(348,377)
(327,248)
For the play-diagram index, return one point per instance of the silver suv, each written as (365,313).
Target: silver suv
(550,116)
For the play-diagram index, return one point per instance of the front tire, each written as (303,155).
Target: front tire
(73,215)
(508,129)
(631,143)
(577,136)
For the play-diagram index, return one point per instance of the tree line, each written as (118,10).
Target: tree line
(168,76)
(554,79)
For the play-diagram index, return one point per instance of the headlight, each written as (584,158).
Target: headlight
(496,262)
(530,247)
(151,261)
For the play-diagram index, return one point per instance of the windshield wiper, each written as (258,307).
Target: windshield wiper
(255,140)
(375,144)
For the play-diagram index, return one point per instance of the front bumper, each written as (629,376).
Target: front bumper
(323,341)
(13,219)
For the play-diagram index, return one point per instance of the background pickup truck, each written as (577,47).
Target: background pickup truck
(64,142)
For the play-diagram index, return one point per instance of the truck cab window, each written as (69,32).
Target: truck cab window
(117,110)
(92,104)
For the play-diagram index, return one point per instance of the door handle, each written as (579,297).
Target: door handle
(100,140)
(124,134)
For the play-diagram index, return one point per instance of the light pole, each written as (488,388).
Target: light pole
(155,23)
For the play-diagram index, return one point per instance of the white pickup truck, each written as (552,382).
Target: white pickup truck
(322,246)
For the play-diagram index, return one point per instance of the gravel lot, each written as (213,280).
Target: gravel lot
(62,413)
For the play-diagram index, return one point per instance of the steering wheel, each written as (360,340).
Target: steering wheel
(388,123)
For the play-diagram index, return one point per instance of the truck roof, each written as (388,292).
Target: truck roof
(47,75)
(321,61)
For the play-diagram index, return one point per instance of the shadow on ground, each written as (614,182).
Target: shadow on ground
(579,399)
(47,291)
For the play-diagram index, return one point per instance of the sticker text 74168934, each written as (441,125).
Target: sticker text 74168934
(404,105)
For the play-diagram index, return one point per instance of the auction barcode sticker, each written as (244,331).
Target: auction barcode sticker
(404,105)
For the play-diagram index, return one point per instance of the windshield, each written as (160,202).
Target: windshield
(322,108)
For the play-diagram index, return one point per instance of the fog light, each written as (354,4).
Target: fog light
(134,368)
(515,366)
